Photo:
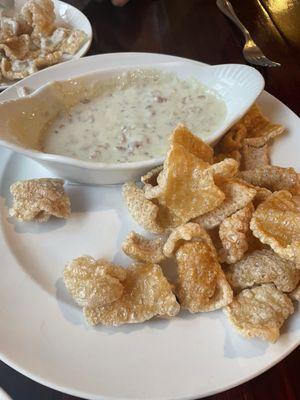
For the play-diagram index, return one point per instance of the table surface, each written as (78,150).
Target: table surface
(196,29)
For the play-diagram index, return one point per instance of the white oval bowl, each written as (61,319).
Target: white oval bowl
(237,85)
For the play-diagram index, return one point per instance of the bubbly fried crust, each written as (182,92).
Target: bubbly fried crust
(259,312)
(255,157)
(40,15)
(201,283)
(147,294)
(142,249)
(143,211)
(263,266)
(233,234)
(272,177)
(181,135)
(276,222)
(237,195)
(93,283)
(16,47)
(73,42)
(38,199)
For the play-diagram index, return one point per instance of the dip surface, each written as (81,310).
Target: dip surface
(132,116)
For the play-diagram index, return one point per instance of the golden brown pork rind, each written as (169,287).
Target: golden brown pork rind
(201,283)
(147,294)
(295,294)
(186,186)
(276,222)
(151,177)
(273,178)
(143,211)
(259,312)
(40,15)
(263,266)
(255,157)
(9,27)
(181,135)
(12,70)
(233,233)
(16,47)
(73,42)
(38,199)
(142,249)
(45,60)
(92,282)
(237,195)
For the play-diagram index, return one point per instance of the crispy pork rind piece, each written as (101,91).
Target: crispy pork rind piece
(237,195)
(186,184)
(73,42)
(185,233)
(142,249)
(295,294)
(16,69)
(142,210)
(40,15)
(261,195)
(255,157)
(201,283)
(181,135)
(9,27)
(45,60)
(16,47)
(150,179)
(38,199)
(235,154)
(259,312)
(233,232)
(53,42)
(92,282)
(276,222)
(147,294)
(273,178)
(263,266)
(251,127)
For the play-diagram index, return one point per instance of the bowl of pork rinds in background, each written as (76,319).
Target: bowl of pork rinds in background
(38,34)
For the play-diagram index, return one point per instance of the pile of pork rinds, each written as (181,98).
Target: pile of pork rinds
(228,219)
(31,40)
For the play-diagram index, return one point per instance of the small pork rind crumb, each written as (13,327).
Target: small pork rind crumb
(233,234)
(94,283)
(272,177)
(143,211)
(276,222)
(263,266)
(201,283)
(142,249)
(181,135)
(260,312)
(147,294)
(38,199)
(237,195)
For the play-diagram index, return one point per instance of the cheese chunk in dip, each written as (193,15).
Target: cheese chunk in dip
(132,116)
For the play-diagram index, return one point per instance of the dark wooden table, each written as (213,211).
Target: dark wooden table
(196,29)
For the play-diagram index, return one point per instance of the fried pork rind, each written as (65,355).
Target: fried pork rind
(94,283)
(16,69)
(260,312)
(233,234)
(295,295)
(73,42)
(16,47)
(276,222)
(147,294)
(185,233)
(45,60)
(273,178)
(9,27)
(40,15)
(201,283)
(255,157)
(186,185)
(143,211)
(237,195)
(141,249)
(235,154)
(261,195)
(263,266)
(181,135)
(150,179)
(38,199)
(53,42)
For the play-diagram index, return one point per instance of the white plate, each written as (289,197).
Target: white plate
(44,335)
(71,17)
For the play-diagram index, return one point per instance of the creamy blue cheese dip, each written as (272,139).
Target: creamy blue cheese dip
(132,116)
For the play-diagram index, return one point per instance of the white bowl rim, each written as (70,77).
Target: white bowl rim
(94,165)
